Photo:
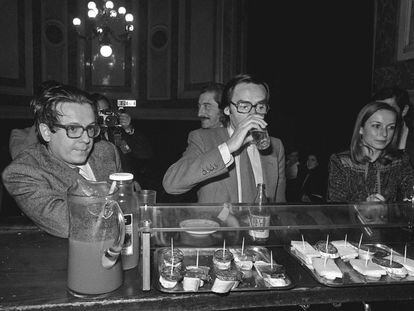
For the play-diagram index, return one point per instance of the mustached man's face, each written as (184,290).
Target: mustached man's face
(208,111)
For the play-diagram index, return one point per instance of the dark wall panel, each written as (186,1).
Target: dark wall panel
(159,49)
(54,41)
(12,36)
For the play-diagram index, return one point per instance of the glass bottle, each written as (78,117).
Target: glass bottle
(128,202)
(259,216)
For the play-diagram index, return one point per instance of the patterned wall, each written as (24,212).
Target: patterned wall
(387,70)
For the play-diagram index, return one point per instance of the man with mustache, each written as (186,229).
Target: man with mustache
(221,163)
(40,176)
(210,114)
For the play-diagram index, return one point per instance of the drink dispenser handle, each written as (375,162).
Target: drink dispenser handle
(137,187)
(111,254)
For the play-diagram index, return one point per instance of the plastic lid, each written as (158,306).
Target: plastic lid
(121,176)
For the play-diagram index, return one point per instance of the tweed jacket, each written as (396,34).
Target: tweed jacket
(352,182)
(39,183)
(21,139)
(202,166)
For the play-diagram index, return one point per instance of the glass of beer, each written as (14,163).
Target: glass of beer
(260,138)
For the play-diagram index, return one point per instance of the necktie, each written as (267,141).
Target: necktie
(247,178)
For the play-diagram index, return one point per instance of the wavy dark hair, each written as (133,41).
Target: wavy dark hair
(231,85)
(391,151)
(44,86)
(47,101)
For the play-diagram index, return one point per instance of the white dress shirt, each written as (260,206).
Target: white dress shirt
(86,172)
(254,158)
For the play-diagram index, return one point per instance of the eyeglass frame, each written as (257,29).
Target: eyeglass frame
(251,106)
(65,127)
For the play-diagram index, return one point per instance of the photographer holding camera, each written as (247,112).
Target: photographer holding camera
(134,148)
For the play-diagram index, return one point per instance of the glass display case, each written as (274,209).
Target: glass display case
(349,244)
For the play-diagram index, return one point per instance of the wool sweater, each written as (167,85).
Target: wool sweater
(352,182)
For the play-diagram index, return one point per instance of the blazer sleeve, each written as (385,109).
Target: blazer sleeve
(201,161)
(20,139)
(44,204)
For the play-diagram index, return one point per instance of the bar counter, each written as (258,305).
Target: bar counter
(33,277)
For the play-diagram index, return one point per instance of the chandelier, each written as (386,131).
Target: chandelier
(107,23)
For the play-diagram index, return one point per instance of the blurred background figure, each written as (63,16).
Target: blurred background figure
(20,139)
(292,181)
(399,99)
(210,114)
(312,180)
(134,148)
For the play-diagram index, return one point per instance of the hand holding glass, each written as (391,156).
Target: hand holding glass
(260,138)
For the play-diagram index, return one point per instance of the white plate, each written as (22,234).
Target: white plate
(202,224)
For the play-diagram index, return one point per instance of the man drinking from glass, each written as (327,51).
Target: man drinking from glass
(40,176)
(223,163)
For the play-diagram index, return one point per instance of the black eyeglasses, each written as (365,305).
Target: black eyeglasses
(76,131)
(246,107)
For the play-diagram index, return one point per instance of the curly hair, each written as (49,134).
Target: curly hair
(47,101)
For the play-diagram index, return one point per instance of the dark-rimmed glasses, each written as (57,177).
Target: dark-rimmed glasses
(76,130)
(246,107)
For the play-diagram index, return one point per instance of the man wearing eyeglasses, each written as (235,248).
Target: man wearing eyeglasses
(222,162)
(134,148)
(40,176)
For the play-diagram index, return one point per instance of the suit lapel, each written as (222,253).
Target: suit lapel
(231,182)
(269,169)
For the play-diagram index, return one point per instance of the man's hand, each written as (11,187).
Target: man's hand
(241,133)
(125,120)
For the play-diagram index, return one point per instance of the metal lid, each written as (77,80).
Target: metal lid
(121,176)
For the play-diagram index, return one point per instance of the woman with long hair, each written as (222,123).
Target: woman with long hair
(373,169)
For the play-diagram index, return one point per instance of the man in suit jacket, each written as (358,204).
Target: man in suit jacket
(40,176)
(222,162)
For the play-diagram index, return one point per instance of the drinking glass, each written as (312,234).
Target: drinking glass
(260,138)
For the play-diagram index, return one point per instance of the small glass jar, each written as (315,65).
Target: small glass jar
(222,259)
(173,258)
(170,277)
